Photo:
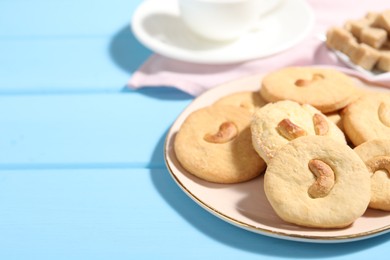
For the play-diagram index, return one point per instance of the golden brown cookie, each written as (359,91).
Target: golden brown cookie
(315,181)
(276,124)
(214,143)
(367,118)
(327,90)
(376,155)
(335,117)
(249,100)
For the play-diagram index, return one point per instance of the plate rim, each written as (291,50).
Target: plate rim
(259,230)
(166,50)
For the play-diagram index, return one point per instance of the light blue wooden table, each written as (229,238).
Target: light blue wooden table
(82,173)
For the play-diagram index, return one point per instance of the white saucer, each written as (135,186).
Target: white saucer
(157,25)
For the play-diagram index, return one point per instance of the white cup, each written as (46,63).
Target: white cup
(222,20)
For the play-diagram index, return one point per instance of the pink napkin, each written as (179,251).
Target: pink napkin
(194,79)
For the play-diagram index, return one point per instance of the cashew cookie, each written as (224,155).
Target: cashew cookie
(276,124)
(327,90)
(214,143)
(376,155)
(335,117)
(315,181)
(249,100)
(367,118)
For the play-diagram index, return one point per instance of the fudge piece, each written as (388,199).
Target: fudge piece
(366,41)
(350,46)
(365,56)
(356,26)
(375,37)
(383,20)
(371,17)
(337,38)
(386,44)
(384,60)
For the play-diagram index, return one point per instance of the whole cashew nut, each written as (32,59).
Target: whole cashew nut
(289,130)
(379,163)
(321,126)
(227,132)
(325,179)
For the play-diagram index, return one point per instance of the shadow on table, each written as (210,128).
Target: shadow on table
(241,239)
(129,54)
(162,93)
(126,51)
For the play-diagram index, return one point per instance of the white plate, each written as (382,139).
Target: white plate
(157,24)
(245,204)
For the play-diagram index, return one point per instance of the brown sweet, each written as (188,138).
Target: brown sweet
(363,40)
(384,60)
(338,39)
(374,37)
(371,17)
(357,26)
(365,56)
(383,20)
(386,45)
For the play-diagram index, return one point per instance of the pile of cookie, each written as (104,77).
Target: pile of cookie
(322,143)
(365,41)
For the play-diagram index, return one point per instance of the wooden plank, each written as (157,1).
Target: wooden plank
(69,65)
(105,214)
(86,131)
(20,18)
(67,46)
(131,214)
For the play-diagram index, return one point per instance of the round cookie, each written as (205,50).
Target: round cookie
(315,181)
(249,100)
(367,118)
(327,90)
(270,121)
(376,155)
(214,143)
(335,117)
